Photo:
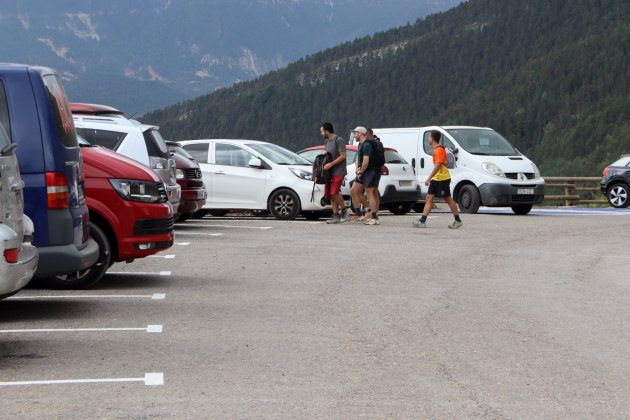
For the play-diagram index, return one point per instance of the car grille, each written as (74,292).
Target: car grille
(514,175)
(153,226)
(194,173)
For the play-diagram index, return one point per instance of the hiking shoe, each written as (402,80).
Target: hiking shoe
(357,218)
(343,217)
(372,221)
(333,220)
(455,225)
(419,224)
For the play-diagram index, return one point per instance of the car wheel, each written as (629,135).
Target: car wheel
(284,204)
(618,196)
(312,215)
(218,212)
(399,208)
(199,214)
(522,208)
(90,276)
(469,199)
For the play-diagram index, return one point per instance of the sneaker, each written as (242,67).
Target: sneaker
(419,224)
(357,218)
(333,220)
(372,221)
(343,217)
(455,225)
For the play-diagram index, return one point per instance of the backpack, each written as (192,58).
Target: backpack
(378,159)
(319,177)
(451,162)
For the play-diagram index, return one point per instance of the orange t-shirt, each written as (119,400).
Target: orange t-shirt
(439,156)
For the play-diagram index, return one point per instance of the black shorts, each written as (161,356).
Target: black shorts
(440,189)
(371,177)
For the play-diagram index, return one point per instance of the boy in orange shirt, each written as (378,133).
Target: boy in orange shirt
(439,183)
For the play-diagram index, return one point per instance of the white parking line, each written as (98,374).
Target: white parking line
(225,226)
(149,329)
(168,257)
(150,379)
(197,233)
(154,296)
(140,273)
(182,243)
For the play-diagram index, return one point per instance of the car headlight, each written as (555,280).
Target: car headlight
(301,173)
(536,171)
(179,174)
(492,168)
(134,190)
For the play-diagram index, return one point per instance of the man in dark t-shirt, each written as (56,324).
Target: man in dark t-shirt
(337,170)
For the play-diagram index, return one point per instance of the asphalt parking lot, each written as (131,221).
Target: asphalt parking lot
(508,317)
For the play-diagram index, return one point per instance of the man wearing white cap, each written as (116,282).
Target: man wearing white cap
(370,175)
(357,191)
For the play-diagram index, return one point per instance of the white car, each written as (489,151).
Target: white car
(256,175)
(398,186)
(107,127)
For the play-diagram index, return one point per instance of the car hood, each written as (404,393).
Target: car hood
(100,162)
(507,163)
(182,162)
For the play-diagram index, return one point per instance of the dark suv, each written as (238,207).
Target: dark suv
(616,182)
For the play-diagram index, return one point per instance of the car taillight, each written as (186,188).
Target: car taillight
(11,255)
(56,190)
(384,170)
(605,171)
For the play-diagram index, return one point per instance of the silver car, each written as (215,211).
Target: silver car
(18,258)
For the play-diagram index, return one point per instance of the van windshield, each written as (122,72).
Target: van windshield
(483,142)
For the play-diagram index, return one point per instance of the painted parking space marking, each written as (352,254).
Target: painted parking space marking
(182,243)
(576,211)
(139,273)
(178,233)
(154,296)
(168,257)
(222,226)
(149,379)
(148,329)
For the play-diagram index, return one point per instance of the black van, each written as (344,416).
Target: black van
(40,123)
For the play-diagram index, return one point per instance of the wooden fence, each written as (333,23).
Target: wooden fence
(574,190)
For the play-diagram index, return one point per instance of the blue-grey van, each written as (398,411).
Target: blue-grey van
(40,123)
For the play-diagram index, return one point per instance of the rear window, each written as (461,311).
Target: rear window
(624,161)
(198,150)
(156,146)
(105,138)
(392,156)
(62,116)
(5,124)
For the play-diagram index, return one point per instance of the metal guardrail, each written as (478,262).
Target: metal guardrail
(574,189)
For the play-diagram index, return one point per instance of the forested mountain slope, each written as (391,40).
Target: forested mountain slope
(552,76)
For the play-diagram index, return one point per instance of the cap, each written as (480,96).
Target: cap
(360,129)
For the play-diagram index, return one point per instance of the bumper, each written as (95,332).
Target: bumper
(63,259)
(315,204)
(501,195)
(392,195)
(15,276)
(192,200)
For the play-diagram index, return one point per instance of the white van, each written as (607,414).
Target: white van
(489,170)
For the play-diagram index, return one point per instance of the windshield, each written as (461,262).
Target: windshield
(181,151)
(482,142)
(278,155)
(82,141)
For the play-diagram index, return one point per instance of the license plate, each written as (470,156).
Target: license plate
(404,183)
(528,191)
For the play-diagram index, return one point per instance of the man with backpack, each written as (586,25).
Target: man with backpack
(337,171)
(357,190)
(439,183)
(371,158)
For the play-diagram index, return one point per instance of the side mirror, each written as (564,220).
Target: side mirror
(255,163)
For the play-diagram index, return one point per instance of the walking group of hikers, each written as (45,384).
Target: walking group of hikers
(364,188)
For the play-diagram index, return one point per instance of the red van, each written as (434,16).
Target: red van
(130,216)
(188,176)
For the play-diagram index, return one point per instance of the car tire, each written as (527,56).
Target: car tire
(200,214)
(90,276)
(400,208)
(284,204)
(312,215)
(617,195)
(469,199)
(218,212)
(522,209)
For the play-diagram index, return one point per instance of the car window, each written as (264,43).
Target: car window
(350,156)
(392,156)
(278,155)
(5,124)
(60,108)
(108,139)
(428,149)
(199,151)
(156,146)
(310,154)
(624,161)
(231,155)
